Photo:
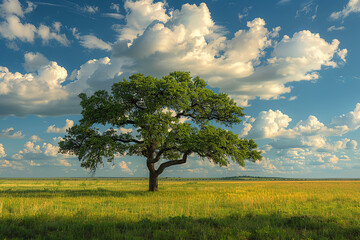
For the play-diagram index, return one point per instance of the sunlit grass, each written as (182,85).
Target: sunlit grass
(98,208)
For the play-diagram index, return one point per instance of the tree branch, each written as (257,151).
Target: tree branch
(130,122)
(135,102)
(172,163)
(128,140)
(158,155)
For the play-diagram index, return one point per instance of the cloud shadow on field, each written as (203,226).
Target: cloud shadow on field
(250,226)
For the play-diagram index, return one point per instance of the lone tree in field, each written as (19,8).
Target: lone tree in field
(173,118)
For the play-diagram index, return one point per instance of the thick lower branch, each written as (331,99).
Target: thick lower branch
(161,152)
(129,140)
(172,163)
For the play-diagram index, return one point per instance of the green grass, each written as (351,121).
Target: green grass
(123,209)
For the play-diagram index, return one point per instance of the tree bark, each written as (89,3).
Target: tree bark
(153,182)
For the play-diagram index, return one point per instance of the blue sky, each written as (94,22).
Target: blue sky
(292,65)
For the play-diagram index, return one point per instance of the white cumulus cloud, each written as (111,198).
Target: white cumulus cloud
(189,40)
(13,27)
(63,162)
(272,124)
(11,164)
(34,61)
(11,133)
(269,124)
(35,138)
(50,150)
(53,129)
(30,147)
(46,35)
(350,120)
(307,145)
(139,15)
(156,40)
(125,168)
(2,151)
(29,93)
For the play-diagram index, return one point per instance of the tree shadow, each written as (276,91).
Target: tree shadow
(250,226)
(54,192)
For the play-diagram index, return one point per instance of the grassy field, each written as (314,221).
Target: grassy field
(123,209)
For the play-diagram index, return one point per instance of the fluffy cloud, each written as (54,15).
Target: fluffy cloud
(11,164)
(35,138)
(57,139)
(92,42)
(351,119)
(307,145)
(57,26)
(53,129)
(30,150)
(43,92)
(300,160)
(267,165)
(63,162)
(45,152)
(313,126)
(34,61)
(13,7)
(2,151)
(269,124)
(140,14)
(274,124)
(50,150)
(125,168)
(345,144)
(293,59)
(12,27)
(96,74)
(31,93)
(11,133)
(34,164)
(353,6)
(156,41)
(46,34)
(189,40)
(30,147)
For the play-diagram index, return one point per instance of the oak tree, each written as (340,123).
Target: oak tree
(172,117)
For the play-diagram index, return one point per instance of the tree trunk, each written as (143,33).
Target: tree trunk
(153,182)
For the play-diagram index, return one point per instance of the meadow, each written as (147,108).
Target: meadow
(123,209)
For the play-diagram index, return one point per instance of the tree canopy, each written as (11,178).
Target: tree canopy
(172,117)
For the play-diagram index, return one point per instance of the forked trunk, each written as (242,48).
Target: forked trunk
(153,182)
